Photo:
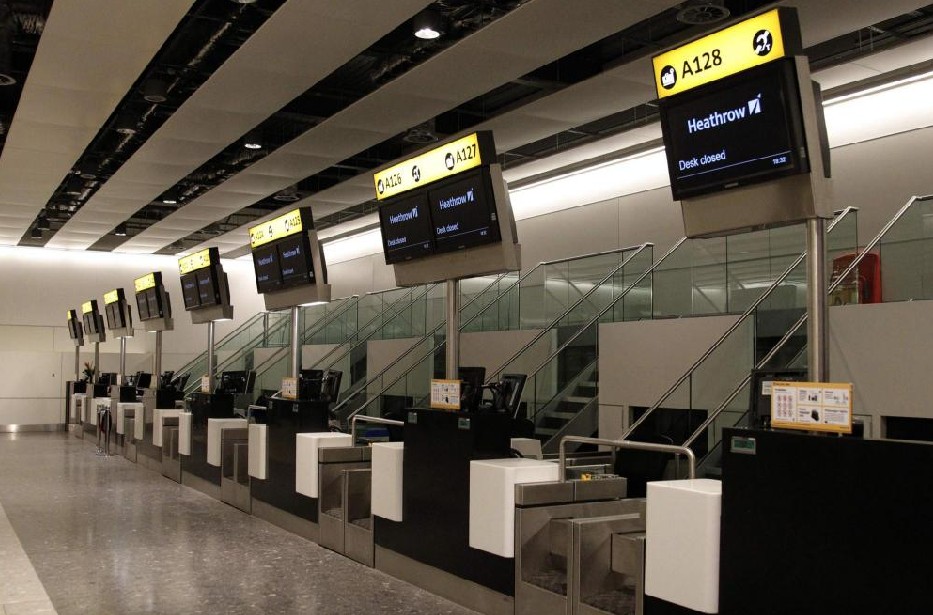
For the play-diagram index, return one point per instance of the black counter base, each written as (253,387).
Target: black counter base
(656,606)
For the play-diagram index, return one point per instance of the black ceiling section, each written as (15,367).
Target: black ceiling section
(389,57)
(206,36)
(21,25)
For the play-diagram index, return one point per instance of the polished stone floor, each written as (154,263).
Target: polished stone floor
(109,537)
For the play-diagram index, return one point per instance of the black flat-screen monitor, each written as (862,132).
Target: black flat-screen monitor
(463,212)
(115,316)
(74,326)
(154,303)
(737,131)
(330,385)
(189,291)
(208,292)
(407,230)
(295,260)
(268,272)
(142,307)
(143,380)
(471,387)
(90,323)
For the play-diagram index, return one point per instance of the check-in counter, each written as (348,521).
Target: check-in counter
(430,545)
(276,497)
(196,471)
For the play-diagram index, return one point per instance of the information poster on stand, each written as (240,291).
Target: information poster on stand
(812,406)
(445,394)
(290,388)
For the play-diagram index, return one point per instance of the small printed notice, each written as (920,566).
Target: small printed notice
(812,406)
(290,388)
(205,384)
(445,394)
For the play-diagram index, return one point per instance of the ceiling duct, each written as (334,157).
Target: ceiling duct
(8,29)
(702,12)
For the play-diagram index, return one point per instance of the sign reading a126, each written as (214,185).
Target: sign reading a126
(749,43)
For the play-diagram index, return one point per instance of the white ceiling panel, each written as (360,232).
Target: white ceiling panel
(469,68)
(302,42)
(68,95)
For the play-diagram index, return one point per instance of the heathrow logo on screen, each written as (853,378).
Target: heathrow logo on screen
(405,216)
(717,119)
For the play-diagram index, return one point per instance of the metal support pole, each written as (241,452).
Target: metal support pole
(210,356)
(157,359)
(453,329)
(122,376)
(265,328)
(96,364)
(296,342)
(77,363)
(817,331)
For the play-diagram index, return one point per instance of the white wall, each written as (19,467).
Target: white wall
(37,286)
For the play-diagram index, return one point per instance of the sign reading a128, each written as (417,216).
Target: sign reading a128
(749,43)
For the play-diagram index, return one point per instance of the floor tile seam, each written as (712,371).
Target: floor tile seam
(7,529)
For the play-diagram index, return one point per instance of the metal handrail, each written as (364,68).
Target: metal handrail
(202,356)
(320,324)
(649,271)
(803,317)
(732,328)
(636,250)
(625,444)
(396,309)
(463,325)
(369,419)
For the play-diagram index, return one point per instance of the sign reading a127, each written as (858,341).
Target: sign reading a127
(749,43)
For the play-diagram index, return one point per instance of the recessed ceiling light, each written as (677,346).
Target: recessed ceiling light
(154,91)
(125,123)
(42,223)
(244,1)
(428,24)
(36,233)
(169,200)
(252,140)
(120,231)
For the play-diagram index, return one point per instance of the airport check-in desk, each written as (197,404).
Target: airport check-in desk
(195,467)
(144,448)
(275,497)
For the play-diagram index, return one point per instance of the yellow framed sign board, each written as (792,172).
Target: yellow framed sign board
(290,388)
(445,394)
(812,406)
(749,43)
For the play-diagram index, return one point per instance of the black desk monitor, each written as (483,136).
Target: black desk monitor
(507,396)
(237,382)
(759,406)
(165,379)
(471,388)
(143,380)
(107,379)
(310,384)
(330,384)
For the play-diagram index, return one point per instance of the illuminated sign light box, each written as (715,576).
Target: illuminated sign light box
(435,164)
(743,129)
(749,43)
(288,261)
(445,213)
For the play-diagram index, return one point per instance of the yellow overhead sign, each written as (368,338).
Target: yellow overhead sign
(69,314)
(111,297)
(749,43)
(145,283)
(198,260)
(277,228)
(87,307)
(441,162)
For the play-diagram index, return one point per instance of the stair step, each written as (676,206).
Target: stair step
(557,414)
(714,472)
(576,399)
(546,431)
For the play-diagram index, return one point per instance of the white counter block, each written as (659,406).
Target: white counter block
(92,410)
(184,433)
(122,407)
(214,427)
(157,415)
(258,456)
(492,499)
(139,425)
(386,500)
(682,543)
(306,458)
(77,413)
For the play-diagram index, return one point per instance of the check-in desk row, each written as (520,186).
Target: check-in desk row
(447,509)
